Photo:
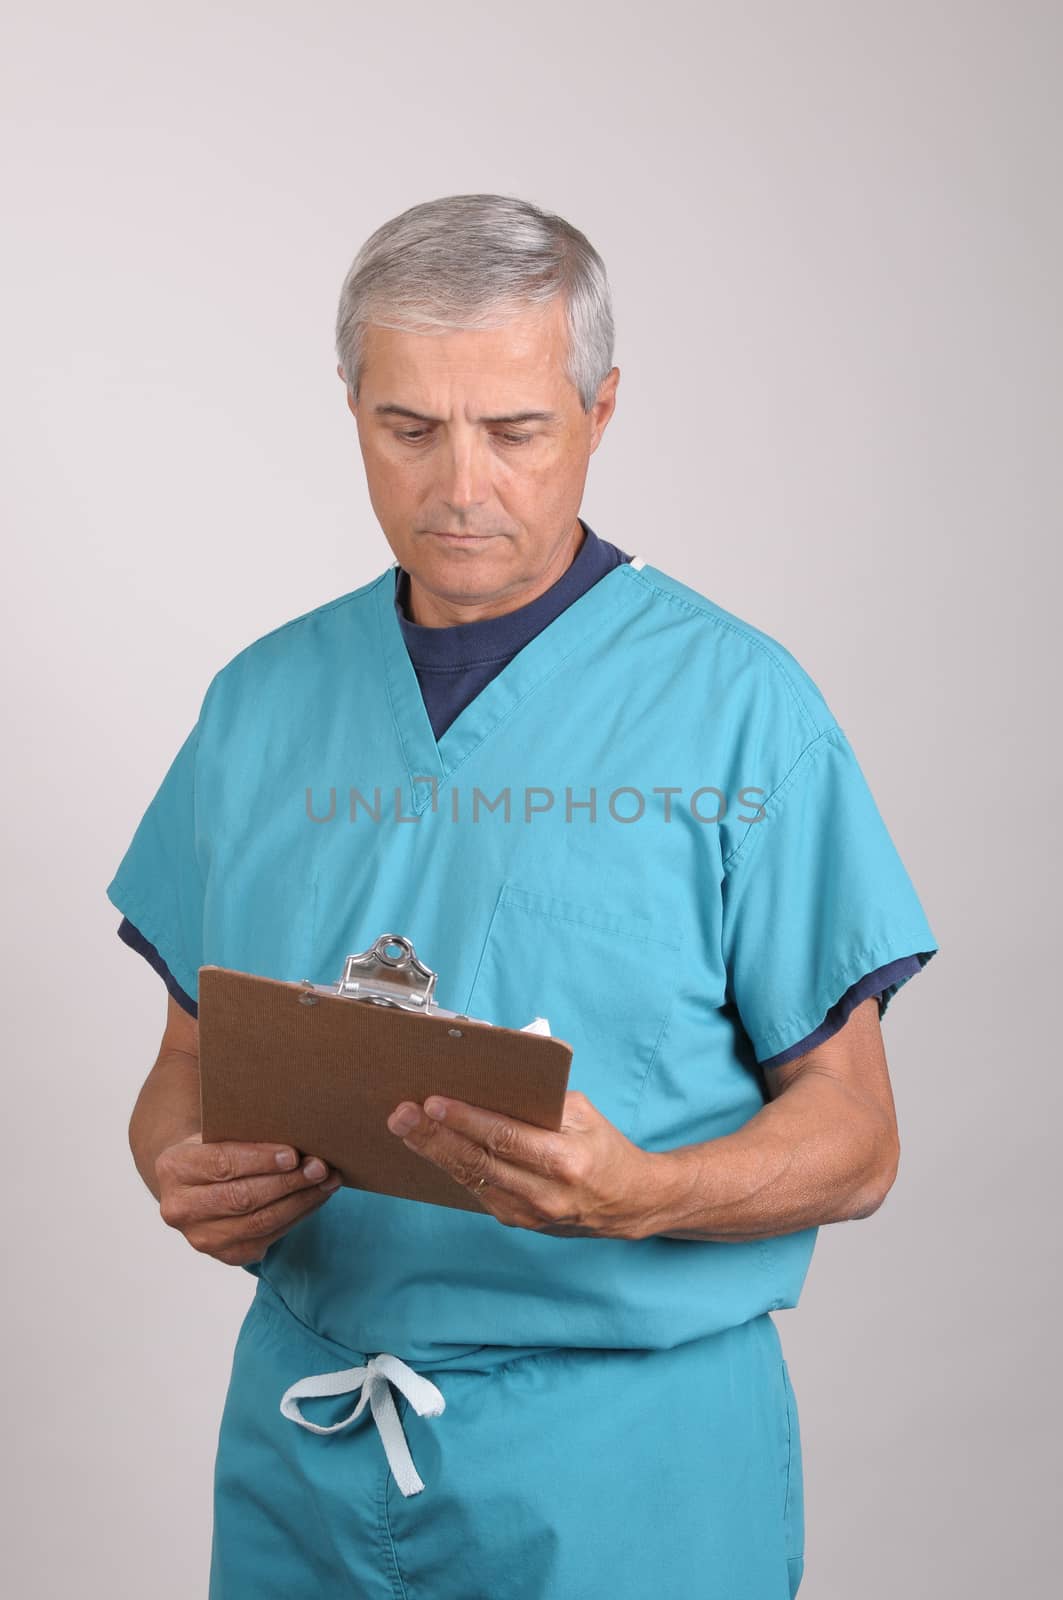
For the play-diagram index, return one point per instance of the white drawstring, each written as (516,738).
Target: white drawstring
(374,1380)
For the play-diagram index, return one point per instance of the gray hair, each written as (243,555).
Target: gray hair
(451,263)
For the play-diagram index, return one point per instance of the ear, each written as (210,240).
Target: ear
(604,406)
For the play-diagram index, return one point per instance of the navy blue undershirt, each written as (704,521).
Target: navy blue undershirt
(453,664)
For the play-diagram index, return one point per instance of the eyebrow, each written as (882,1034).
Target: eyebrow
(418,416)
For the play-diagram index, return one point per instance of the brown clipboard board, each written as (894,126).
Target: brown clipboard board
(322,1067)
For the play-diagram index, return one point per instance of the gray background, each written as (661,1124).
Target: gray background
(833,233)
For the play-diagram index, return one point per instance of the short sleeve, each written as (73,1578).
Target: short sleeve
(816,898)
(133,937)
(158,886)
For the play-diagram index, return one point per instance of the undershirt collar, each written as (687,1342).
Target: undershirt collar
(467,644)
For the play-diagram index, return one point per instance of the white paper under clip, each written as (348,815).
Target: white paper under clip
(540,1025)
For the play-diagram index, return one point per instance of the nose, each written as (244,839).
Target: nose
(465,465)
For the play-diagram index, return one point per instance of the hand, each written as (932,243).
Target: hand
(232,1200)
(584,1181)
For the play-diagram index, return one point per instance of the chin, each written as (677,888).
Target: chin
(462,562)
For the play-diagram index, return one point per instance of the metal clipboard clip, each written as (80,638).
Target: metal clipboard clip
(390,973)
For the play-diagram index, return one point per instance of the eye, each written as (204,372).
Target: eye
(415,435)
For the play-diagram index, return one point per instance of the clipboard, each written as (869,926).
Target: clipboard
(322,1067)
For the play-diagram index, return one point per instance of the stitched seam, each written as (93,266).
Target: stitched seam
(619,931)
(766,1262)
(544,678)
(789,1450)
(796,1555)
(317,611)
(665,1021)
(860,959)
(549,1355)
(169,934)
(310,932)
(398,1583)
(463,666)
(297,1327)
(484,948)
(810,751)
(732,627)
(396,722)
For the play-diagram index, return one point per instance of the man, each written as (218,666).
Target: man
(582,790)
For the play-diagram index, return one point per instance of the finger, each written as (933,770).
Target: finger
(239,1195)
(467,1162)
(221,1159)
(214,1233)
(521,1144)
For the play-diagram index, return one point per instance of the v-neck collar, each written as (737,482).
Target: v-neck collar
(428,759)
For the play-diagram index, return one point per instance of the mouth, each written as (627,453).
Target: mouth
(460,539)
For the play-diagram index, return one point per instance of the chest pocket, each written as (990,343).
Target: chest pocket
(605,981)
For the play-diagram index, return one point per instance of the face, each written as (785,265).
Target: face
(478,501)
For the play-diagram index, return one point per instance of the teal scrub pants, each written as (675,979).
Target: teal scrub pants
(561,1474)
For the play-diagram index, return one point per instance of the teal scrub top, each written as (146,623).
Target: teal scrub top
(648,828)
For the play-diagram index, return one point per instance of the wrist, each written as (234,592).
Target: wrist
(662,1184)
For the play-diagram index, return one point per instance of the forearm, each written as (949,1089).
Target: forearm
(818,1153)
(167,1110)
